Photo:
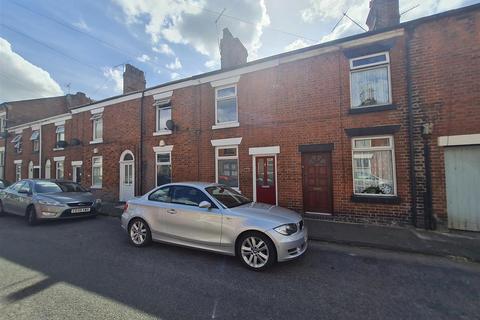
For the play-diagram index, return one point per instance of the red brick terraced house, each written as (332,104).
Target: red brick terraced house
(381,127)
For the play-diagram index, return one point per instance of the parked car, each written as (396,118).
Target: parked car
(217,218)
(47,200)
(4,184)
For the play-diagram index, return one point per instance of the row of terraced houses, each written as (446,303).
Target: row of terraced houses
(380,127)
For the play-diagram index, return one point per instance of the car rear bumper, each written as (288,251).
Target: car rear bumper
(290,247)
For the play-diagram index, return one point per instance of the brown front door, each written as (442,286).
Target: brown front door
(317,182)
(265,180)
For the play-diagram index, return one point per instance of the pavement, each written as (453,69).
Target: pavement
(446,243)
(86,269)
(454,244)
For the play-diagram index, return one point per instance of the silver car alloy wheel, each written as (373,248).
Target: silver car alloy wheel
(138,232)
(254,252)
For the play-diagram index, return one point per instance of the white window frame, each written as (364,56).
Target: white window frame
(57,168)
(3,122)
(18,171)
(227,124)
(370,149)
(59,134)
(48,169)
(97,119)
(162,104)
(35,138)
(371,66)
(236,157)
(163,164)
(97,186)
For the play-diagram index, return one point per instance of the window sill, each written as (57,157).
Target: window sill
(96,187)
(384,107)
(58,149)
(162,133)
(375,199)
(226,125)
(96,141)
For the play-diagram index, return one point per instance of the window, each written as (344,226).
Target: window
(2,164)
(373,166)
(48,169)
(370,81)
(35,138)
(17,143)
(3,124)
(164,113)
(18,171)
(226,105)
(160,195)
(164,168)
(25,188)
(30,170)
(188,196)
(97,123)
(59,170)
(97,172)
(228,197)
(227,166)
(60,131)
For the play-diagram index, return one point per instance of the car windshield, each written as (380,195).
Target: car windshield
(52,187)
(227,196)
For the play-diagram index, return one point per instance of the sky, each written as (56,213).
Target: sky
(50,48)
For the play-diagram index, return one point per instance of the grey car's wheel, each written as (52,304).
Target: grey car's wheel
(139,233)
(256,251)
(31,216)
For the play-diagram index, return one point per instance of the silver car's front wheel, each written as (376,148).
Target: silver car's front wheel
(139,233)
(256,251)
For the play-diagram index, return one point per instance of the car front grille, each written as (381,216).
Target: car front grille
(80,204)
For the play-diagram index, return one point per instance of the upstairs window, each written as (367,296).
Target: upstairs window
(97,123)
(374,166)
(60,132)
(3,124)
(370,81)
(163,114)
(35,138)
(17,143)
(226,105)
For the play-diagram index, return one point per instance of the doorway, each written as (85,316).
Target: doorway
(317,182)
(127,176)
(265,172)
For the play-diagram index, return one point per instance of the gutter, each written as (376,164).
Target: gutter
(413,179)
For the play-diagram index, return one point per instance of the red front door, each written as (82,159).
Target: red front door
(265,171)
(317,182)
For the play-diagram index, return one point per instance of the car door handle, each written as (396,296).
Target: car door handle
(172,211)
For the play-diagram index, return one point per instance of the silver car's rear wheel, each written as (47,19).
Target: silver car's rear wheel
(256,251)
(139,233)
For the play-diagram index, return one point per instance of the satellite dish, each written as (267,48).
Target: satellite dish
(170,124)
(75,142)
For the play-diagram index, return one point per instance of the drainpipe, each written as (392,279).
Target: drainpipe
(39,152)
(429,221)
(413,179)
(140,162)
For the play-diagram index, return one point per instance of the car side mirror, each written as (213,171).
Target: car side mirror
(205,205)
(24,192)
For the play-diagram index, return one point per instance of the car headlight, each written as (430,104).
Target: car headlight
(50,202)
(98,201)
(287,229)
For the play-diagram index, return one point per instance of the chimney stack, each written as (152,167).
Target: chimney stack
(233,53)
(383,14)
(133,79)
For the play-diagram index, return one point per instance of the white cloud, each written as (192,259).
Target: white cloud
(297,44)
(174,65)
(174,75)
(81,24)
(191,22)
(211,64)
(115,75)
(20,79)
(164,49)
(143,58)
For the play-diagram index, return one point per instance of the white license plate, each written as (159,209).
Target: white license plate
(80,210)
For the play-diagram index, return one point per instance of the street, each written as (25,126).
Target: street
(86,269)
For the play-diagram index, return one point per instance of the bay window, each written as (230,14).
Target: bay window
(97,172)
(370,81)
(227,166)
(373,163)
(163,168)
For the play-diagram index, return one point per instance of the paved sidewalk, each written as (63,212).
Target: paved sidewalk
(409,239)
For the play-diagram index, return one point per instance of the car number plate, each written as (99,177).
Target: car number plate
(80,210)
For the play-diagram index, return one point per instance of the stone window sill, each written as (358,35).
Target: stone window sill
(226,125)
(96,141)
(372,109)
(375,199)
(162,133)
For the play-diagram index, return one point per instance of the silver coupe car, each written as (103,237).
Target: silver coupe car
(216,218)
(48,199)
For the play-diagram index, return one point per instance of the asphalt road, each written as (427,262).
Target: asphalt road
(87,270)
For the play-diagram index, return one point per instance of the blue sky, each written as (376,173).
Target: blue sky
(46,45)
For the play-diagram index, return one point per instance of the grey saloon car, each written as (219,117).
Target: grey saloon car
(216,218)
(48,199)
